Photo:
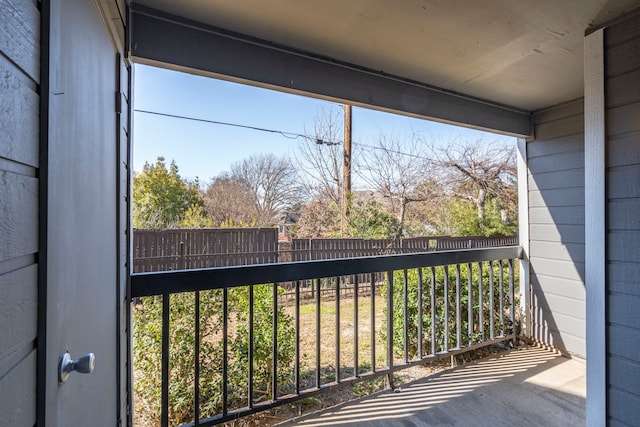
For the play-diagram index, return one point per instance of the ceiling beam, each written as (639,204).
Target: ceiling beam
(176,43)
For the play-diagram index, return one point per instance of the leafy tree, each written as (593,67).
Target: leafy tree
(459,217)
(196,217)
(161,198)
(369,220)
(464,221)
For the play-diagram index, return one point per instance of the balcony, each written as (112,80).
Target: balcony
(251,338)
(528,386)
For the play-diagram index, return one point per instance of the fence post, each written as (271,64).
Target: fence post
(181,261)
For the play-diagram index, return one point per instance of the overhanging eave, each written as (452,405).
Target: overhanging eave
(172,42)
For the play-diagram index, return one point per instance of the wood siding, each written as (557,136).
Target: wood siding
(622,109)
(19,152)
(556,227)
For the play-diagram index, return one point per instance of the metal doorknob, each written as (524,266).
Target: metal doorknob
(83,365)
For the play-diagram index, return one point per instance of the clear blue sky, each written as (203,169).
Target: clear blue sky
(204,150)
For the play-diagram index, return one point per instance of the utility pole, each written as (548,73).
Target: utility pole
(346,178)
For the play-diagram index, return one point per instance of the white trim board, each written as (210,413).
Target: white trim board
(523,232)
(595,251)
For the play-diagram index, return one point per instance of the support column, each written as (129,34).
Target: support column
(523,233)
(595,231)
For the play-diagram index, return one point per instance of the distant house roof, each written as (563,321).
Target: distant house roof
(285,217)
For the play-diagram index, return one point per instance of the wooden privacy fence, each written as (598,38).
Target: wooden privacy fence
(184,249)
(474,242)
(313,249)
(317,249)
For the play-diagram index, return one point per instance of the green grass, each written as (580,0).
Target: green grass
(347,331)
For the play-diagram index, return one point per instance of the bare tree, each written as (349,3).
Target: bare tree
(320,157)
(479,170)
(229,200)
(319,219)
(319,161)
(272,182)
(400,171)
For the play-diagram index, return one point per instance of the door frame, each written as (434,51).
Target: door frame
(50,34)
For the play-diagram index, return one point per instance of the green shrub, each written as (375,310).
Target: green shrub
(412,280)
(147,342)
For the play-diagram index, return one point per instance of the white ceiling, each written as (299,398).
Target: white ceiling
(526,54)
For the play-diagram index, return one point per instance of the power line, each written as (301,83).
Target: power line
(289,135)
(388,150)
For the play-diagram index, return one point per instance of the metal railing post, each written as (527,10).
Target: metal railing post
(458,309)
(390,328)
(491,302)
(433,311)
(511,300)
(274,369)
(196,360)
(356,325)
(420,332)
(164,408)
(297,343)
(250,349)
(373,322)
(318,311)
(501,283)
(225,344)
(337,329)
(405,300)
(470,301)
(446,308)
(480,302)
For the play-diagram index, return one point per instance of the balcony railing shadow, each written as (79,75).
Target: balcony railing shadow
(526,387)
(223,343)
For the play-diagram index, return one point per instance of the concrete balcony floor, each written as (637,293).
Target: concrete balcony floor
(529,386)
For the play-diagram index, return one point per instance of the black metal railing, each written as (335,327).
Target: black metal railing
(222,343)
